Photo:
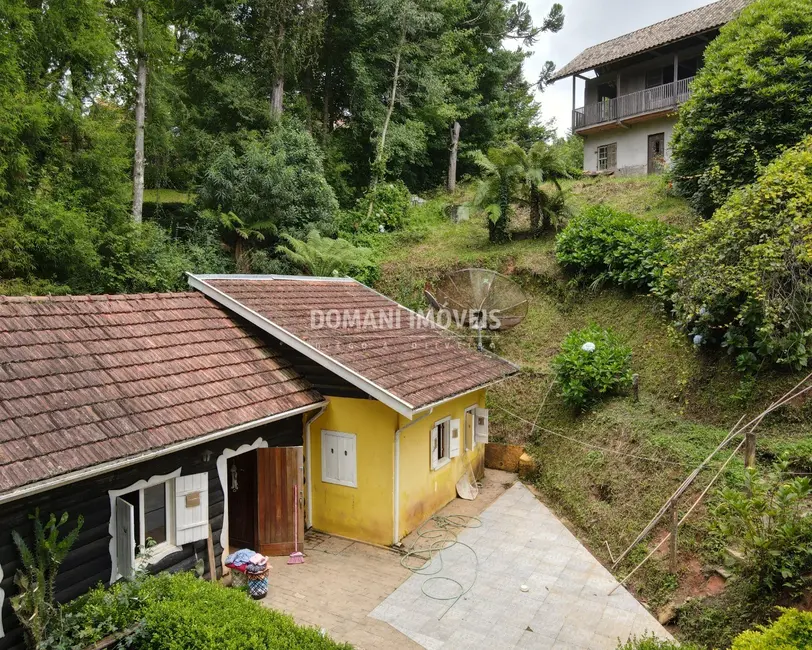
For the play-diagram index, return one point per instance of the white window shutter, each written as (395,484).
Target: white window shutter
(481,426)
(192,514)
(435,447)
(125,538)
(454,447)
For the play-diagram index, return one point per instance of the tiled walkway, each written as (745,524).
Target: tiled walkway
(520,543)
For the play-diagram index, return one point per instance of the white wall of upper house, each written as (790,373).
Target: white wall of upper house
(631,145)
(633,77)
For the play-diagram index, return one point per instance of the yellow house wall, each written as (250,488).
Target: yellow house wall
(365,512)
(424,491)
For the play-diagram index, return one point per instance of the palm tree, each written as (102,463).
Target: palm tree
(543,163)
(503,173)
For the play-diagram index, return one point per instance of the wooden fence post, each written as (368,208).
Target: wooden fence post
(750,449)
(673,540)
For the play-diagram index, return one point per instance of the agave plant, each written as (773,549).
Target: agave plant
(34,603)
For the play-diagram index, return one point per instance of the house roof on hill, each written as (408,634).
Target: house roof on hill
(657,35)
(393,354)
(86,381)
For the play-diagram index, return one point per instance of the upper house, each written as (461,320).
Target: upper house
(635,85)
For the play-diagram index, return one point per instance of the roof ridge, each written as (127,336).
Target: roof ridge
(98,297)
(660,22)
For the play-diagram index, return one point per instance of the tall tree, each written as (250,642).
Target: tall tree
(286,35)
(140,115)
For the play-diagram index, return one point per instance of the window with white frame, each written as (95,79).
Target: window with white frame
(607,156)
(154,518)
(338,458)
(441,443)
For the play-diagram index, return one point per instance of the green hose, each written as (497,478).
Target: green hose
(441,538)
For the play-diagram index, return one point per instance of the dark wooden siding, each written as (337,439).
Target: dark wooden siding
(326,382)
(89,563)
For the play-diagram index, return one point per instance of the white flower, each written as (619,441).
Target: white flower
(381,228)
(589,346)
(698,338)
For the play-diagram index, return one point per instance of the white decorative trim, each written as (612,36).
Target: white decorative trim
(273,276)
(222,474)
(309,464)
(113,494)
(103,468)
(2,597)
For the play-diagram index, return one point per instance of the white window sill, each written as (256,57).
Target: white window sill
(155,554)
(442,463)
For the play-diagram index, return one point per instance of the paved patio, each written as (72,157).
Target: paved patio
(520,542)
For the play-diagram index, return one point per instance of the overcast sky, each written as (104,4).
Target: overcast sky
(588,22)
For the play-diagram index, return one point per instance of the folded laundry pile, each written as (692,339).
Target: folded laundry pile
(247,561)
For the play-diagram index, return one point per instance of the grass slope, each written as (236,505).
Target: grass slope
(688,399)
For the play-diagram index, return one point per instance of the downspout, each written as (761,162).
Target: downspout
(396,486)
(309,476)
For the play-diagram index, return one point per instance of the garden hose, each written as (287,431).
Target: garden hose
(439,539)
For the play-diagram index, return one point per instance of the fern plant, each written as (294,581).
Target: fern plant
(323,256)
(34,603)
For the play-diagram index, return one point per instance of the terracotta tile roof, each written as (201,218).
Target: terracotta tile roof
(404,366)
(90,379)
(667,31)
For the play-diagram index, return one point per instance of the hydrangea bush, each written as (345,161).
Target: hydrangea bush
(592,364)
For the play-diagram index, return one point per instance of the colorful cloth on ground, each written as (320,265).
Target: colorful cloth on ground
(243,556)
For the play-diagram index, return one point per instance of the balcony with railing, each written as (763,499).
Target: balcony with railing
(638,104)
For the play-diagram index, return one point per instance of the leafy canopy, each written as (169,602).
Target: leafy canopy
(744,278)
(749,101)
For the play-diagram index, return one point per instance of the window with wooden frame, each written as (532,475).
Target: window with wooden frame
(607,156)
(441,443)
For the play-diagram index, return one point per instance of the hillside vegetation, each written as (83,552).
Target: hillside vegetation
(620,462)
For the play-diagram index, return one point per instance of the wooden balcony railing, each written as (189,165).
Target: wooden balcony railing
(650,100)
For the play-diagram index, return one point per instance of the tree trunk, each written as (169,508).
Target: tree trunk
(325,117)
(535,208)
(377,166)
(278,90)
(452,158)
(276,97)
(240,257)
(140,117)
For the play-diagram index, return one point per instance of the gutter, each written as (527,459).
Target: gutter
(308,422)
(103,468)
(396,482)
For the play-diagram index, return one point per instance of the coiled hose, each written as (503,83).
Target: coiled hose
(434,541)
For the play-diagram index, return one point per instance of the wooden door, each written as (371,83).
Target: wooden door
(280,516)
(656,153)
(241,484)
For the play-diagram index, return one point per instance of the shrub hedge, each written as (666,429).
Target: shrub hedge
(744,278)
(180,612)
(791,631)
(605,244)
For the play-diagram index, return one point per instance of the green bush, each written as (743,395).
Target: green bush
(592,364)
(791,631)
(604,244)
(749,101)
(653,643)
(715,621)
(744,278)
(390,204)
(179,612)
(769,527)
